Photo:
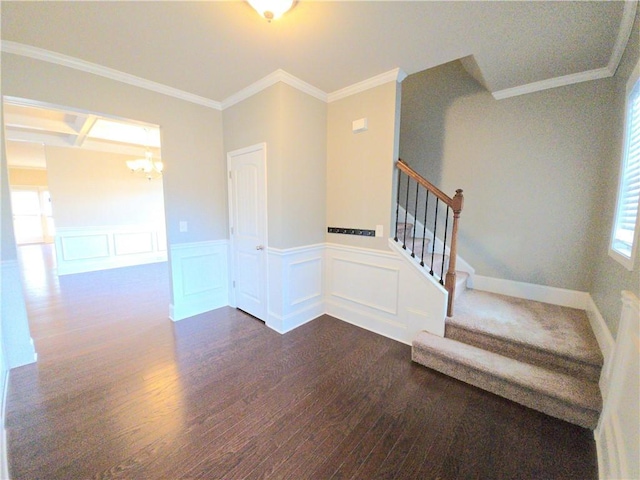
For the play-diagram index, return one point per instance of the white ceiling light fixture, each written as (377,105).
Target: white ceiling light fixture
(271,9)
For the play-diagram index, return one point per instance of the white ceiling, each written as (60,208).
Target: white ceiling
(214,49)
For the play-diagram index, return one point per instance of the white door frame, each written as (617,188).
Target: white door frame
(231,260)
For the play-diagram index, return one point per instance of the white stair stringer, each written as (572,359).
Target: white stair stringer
(462,277)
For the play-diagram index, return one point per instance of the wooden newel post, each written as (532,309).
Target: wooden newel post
(450,278)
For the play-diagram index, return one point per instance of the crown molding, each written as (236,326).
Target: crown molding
(552,83)
(110,73)
(271,79)
(397,74)
(624,33)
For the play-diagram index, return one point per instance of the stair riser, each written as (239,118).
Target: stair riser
(530,398)
(524,353)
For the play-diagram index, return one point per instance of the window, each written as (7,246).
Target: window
(624,238)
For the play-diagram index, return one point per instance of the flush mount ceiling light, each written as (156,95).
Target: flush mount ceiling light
(271,9)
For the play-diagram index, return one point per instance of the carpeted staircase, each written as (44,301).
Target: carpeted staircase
(540,355)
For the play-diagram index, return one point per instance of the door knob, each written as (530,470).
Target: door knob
(260,247)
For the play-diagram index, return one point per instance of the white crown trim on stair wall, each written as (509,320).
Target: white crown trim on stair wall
(624,32)
(553,83)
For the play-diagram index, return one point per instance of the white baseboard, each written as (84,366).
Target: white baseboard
(200,278)
(295,319)
(4,462)
(531,291)
(605,342)
(369,321)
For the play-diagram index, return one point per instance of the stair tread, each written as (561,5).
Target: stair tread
(573,391)
(560,331)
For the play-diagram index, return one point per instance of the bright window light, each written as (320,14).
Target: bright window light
(624,237)
(144,135)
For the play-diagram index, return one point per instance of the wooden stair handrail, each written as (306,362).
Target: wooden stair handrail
(456,203)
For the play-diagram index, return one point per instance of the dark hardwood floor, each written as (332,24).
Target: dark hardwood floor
(119,391)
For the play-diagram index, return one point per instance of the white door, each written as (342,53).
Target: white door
(248,225)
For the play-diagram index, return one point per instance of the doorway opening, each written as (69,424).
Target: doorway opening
(87,199)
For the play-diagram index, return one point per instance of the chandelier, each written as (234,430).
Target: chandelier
(147,166)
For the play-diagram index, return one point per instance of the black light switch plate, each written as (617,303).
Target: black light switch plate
(352,231)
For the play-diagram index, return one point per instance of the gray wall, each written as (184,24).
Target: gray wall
(360,165)
(539,173)
(95,189)
(529,167)
(609,277)
(194,176)
(293,125)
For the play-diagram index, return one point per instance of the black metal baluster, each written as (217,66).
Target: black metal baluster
(415,217)
(406,214)
(444,245)
(435,229)
(398,205)
(424,228)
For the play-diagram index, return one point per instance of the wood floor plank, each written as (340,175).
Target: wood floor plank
(121,392)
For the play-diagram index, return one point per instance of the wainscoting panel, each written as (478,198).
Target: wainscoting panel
(380,291)
(132,243)
(84,247)
(368,284)
(617,436)
(295,286)
(88,249)
(200,277)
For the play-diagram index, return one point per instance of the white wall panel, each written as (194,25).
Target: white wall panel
(84,247)
(618,435)
(295,286)
(200,278)
(88,249)
(366,283)
(305,277)
(382,292)
(132,243)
